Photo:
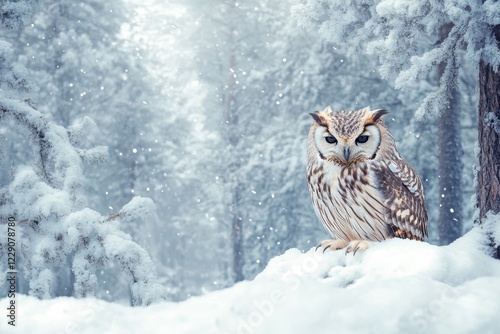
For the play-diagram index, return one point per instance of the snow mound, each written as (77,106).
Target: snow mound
(397,286)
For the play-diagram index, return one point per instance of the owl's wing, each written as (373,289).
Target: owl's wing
(406,214)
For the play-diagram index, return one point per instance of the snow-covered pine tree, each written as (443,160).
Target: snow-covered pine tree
(74,52)
(226,56)
(450,160)
(54,226)
(183,180)
(91,61)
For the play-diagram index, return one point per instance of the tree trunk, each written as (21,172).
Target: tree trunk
(488,192)
(450,164)
(237,242)
(233,139)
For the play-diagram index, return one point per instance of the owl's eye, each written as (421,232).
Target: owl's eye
(331,140)
(362,139)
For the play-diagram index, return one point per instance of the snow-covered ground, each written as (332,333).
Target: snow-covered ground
(398,286)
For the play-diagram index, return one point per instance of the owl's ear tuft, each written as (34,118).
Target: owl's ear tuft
(318,118)
(378,113)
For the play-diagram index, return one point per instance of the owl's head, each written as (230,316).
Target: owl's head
(346,138)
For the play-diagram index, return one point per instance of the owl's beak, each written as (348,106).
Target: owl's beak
(347,154)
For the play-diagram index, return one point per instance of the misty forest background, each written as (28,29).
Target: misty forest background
(203,106)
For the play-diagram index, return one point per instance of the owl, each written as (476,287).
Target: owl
(361,188)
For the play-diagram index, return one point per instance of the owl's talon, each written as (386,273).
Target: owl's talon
(357,248)
(317,247)
(347,249)
(333,244)
(357,245)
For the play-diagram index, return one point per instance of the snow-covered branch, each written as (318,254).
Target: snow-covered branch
(404,35)
(55,227)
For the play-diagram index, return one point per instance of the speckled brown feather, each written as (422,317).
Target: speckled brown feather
(404,200)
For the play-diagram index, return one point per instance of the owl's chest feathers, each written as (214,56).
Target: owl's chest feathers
(348,200)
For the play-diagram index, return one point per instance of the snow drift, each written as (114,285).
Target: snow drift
(395,286)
